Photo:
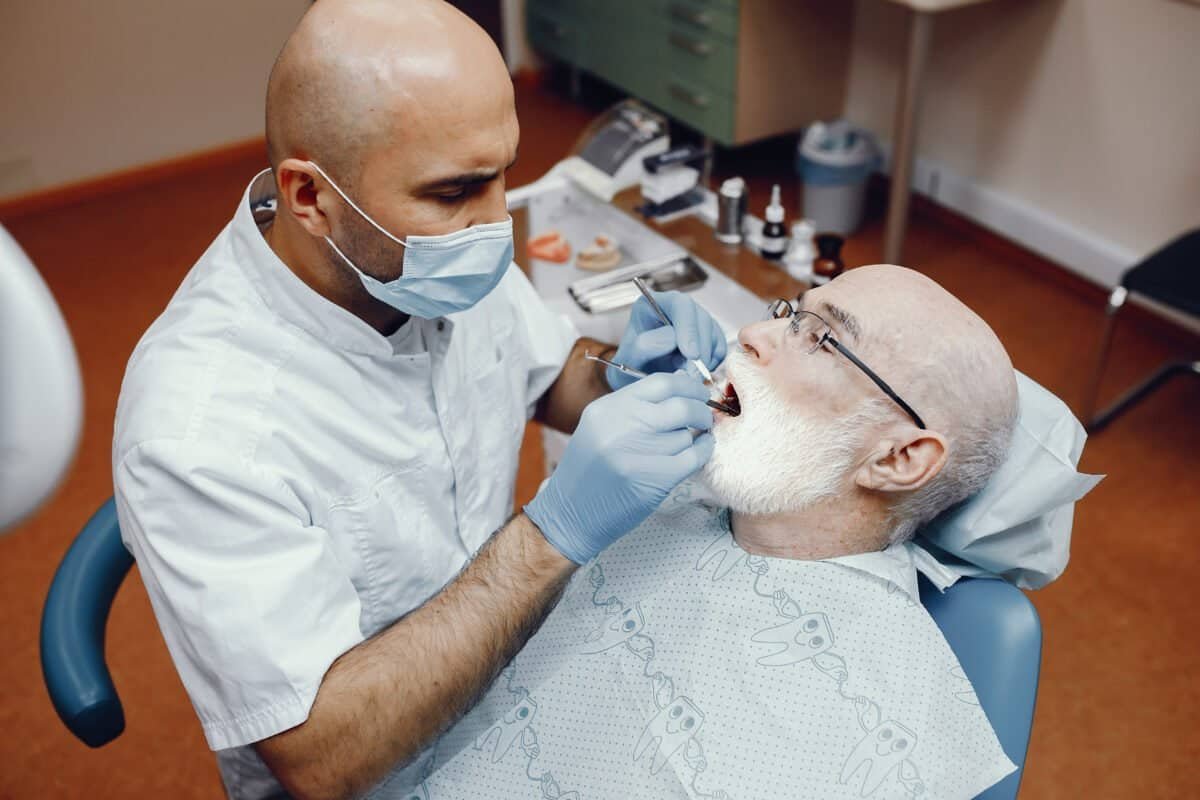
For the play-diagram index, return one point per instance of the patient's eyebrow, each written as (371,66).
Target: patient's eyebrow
(844,318)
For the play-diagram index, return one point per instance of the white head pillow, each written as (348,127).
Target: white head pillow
(1019,525)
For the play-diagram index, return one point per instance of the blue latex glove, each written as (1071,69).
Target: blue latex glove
(650,346)
(631,448)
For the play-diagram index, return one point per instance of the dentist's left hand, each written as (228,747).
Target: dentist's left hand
(631,448)
(650,346)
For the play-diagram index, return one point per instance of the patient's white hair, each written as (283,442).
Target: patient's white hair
(972,400)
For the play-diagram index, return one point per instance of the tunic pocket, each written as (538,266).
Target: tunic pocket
(401,561)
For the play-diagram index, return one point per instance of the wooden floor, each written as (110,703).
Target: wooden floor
(1119,697)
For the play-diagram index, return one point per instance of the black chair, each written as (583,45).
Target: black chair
(1170,276)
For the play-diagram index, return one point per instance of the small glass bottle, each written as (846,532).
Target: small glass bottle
(774,240)
(802,251)
(829,259)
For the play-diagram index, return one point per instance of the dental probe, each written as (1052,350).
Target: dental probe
(637,373)
(645,290)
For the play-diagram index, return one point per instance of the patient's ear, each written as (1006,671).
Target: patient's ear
(905,462)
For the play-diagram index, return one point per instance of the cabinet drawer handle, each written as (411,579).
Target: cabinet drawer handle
(682,12)
(702,49)
(688,96)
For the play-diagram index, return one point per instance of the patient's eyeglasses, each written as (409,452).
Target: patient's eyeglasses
(813,328)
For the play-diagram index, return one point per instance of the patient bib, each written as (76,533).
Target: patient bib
(679,666)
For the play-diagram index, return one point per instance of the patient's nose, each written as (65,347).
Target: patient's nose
(759,340)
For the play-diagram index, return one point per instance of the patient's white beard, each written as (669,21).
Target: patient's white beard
(774,458)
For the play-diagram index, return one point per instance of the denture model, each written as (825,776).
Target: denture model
(604,253)
(549,246)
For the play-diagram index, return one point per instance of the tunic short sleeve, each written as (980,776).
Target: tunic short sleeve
(251,598)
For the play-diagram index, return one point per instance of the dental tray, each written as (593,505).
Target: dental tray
(615,290)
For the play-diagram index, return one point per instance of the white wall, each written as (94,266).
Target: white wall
(88,88)
(1071,125)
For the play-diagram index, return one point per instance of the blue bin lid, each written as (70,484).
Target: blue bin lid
(836,153)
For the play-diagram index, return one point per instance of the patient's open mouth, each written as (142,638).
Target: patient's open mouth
(731,400)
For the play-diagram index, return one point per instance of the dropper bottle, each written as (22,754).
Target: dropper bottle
(774,242)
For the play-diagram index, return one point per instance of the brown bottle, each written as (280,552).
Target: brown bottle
(828,264)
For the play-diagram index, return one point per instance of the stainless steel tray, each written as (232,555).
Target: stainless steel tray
(614,290)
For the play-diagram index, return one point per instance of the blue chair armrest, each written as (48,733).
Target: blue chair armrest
(73,623)
(995,632)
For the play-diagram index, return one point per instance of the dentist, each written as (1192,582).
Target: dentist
(316,442)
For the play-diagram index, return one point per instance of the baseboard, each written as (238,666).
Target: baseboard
(131,178)
(1083,253)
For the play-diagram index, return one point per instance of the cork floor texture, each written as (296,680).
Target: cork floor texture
(1118,700)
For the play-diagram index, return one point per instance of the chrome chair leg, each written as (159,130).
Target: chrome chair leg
(1115,300)
(1137,393)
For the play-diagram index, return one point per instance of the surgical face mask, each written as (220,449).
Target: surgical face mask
(442,274)
(772,458)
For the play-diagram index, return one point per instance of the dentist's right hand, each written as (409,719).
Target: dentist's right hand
(631,448)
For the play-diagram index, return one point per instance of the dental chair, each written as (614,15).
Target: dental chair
(996,634)
(73,623)
(990,624)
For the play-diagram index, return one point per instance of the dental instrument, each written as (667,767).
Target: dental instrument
(637,373)
(645,290)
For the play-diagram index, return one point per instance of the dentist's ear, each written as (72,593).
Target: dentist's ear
(304,194)
(905,462)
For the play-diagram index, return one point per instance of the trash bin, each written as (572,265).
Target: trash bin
(833,161)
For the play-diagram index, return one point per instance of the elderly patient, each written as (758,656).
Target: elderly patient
(761,635)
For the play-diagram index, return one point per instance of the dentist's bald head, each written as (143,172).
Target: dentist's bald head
(358,75)
(408,108)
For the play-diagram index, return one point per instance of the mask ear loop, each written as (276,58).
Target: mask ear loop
(353,205)
(342,256)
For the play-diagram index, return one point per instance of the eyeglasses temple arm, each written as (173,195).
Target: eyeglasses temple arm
(878,381)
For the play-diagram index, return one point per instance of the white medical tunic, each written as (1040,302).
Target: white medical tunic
(291,482)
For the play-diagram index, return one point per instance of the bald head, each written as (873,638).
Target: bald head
(383,114)
(359,75)
(951,364)
(816,428)
(945,361)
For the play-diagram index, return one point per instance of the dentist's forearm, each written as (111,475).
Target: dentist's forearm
(381,703)
(580,382)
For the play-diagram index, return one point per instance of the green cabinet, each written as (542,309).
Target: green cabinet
(557,29)
(699,60)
